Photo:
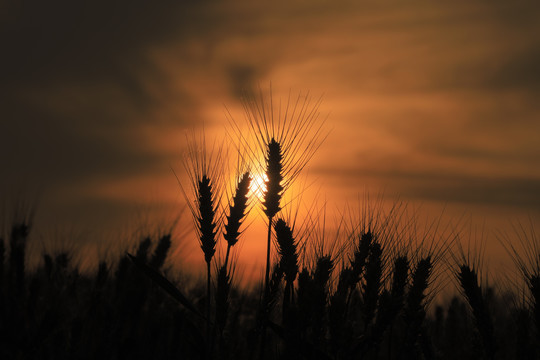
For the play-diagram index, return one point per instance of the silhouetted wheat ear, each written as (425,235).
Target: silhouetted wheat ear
(372,286)
(287,250)
(338,301)
(274,173)
(415,311)
(399,281)
(323,271)
(160,253)
(237,210)
(419,285)
(361,253)
(272,197)
(206,219)
(222,297)
(468,280)
(391,301)
(142,250)
(321,276)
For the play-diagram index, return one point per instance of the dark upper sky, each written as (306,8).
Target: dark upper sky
(435,101)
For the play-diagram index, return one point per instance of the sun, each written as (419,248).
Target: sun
(257,187)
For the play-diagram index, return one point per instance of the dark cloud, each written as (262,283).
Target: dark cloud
(79,87)
(506,192)
(520,71)
(445,186)
(243,79)
(65,40)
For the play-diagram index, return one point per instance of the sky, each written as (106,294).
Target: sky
(432,102)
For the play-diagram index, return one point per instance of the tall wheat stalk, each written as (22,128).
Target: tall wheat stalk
(205,174)
(285,137)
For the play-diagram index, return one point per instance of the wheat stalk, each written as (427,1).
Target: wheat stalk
(288,135)
(288,138)
(205,174)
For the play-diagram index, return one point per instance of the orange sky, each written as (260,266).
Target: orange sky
(434,102)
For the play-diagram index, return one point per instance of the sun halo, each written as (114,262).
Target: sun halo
(257,188)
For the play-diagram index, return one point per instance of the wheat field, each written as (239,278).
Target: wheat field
(369,293)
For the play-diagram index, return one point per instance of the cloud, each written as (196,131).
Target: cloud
(73,40)
(100,93)
(79,84)
(519,71)
(440,185)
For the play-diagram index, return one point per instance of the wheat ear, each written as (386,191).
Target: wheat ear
(468,280)
(237,212)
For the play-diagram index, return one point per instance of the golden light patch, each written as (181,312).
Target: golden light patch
(257,187)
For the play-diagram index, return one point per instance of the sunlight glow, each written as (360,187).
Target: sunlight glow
(257,187)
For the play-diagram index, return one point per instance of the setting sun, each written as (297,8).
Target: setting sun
(258,186)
